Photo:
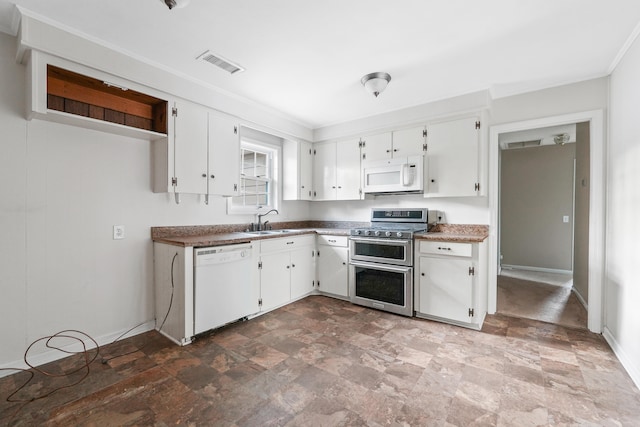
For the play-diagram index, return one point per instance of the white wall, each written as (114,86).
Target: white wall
(457,210)
(583,96)
(63,188)
(622,292)
(536,191)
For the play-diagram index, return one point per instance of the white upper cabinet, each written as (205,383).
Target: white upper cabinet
(297,170)
(348,170)
(452,158)
(389,145)
(324,171)
(190,142)
(224,155)
(206,147)
(409,142)
(377,147)
(336,170)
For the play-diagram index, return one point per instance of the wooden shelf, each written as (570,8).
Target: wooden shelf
(85,96)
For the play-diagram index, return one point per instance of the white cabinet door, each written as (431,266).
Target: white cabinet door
(452,159)
(324,171)
(224,155)
(302,272)
(333,272)
(306,170)
(409,142)
(297,170)
(190,145)
(275,289)
(446,288)
(348,173)
(377,147)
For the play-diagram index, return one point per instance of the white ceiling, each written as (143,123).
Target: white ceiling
(305,58)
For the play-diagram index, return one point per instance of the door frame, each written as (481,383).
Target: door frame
(597,185)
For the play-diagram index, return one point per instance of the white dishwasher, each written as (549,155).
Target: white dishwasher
(224,289)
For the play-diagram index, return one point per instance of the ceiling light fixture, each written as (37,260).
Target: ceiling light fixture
(179,4)
(375,82)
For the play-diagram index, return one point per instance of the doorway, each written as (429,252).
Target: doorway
(544,178)
(595,226)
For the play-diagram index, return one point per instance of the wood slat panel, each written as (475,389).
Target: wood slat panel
(137,122)
(76,107)
(96,112)
(94,97)
(114,116)
(160,117)
(99,85)
(89,97)
(55,102)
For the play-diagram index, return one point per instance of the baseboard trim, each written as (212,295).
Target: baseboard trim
(579,296)
(528,268)
(53,355)
(626,361)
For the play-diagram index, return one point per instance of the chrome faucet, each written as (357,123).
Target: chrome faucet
(265,214)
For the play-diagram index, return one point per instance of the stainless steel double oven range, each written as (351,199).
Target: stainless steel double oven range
(381,259)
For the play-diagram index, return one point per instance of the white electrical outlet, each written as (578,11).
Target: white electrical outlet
(118,232)
(565,218)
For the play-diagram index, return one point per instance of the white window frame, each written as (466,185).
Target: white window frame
(274,153)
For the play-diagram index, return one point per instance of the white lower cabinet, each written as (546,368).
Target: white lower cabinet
(286,269)
(450,285)
(332,263)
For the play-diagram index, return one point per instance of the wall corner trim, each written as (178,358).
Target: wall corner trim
(627,362)
(623,50)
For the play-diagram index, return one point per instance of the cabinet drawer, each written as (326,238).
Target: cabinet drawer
(446,248)
(341,241)
(286,243)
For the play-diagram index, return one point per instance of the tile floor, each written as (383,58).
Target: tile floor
(325,362)
(540,296)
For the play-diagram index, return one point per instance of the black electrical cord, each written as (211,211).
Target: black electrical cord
(87,356)
(88,359)
(105,359)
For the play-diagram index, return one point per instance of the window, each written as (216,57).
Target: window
(258,178)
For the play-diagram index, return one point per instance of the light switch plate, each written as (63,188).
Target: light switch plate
(118,232)
(565,218)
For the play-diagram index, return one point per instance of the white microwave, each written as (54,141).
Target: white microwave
(398,175)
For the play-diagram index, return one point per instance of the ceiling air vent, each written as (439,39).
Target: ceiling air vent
(220,62)
(524,144)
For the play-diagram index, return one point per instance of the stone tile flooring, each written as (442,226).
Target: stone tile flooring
(325,362)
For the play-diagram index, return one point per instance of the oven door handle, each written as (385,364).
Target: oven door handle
(385,267)
(374,240)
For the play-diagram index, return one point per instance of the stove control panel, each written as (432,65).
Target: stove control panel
(389,234)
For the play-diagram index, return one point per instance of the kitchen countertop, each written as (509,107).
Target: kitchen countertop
(202,236)
(455,233)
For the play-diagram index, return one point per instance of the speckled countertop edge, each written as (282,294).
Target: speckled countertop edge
(226,234)
(456,233)
(217,235)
